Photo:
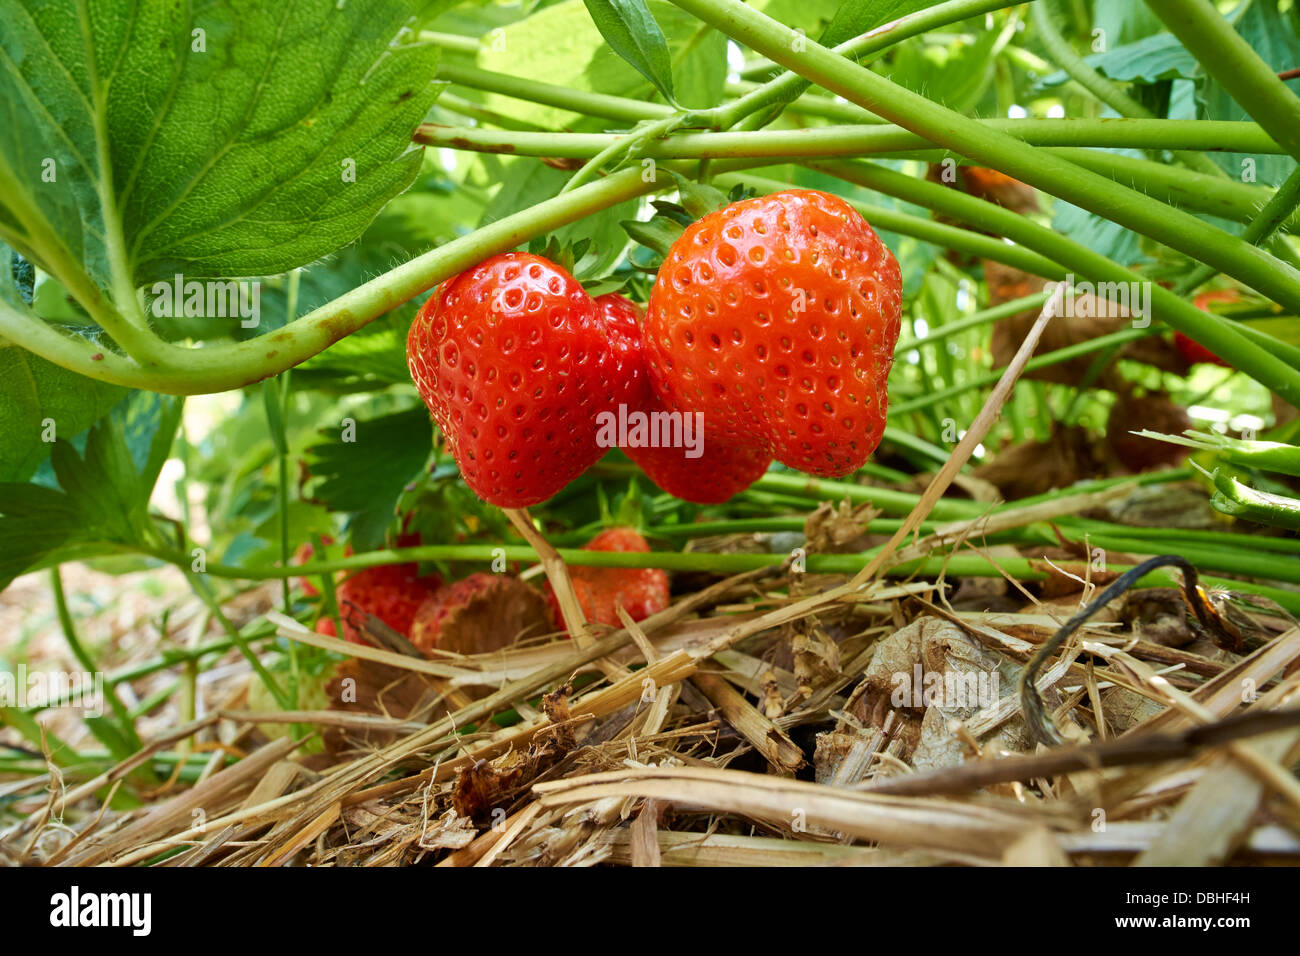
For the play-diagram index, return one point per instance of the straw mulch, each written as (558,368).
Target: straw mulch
(773,718)
(762,721)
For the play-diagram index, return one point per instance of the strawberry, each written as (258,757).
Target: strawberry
(1194,352)
(439,605)
(479,613)
(622,319)
(391,592)
(641,591)
(303,555)
(723,470)
(514,363)
(777,317)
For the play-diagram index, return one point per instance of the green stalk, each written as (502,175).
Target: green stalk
(975,320)
(1211,331)
(1174,228)
(41,244)
(549,94)
(262,631)
(1172,538)
(204,593)
(1076,67)
(1217,196)
(126,730)
(780,89)
(221,368)
(1099,86)
(810,104)
(790,85)
(1038,361)
(1279,208)
(1227,57)
(927,230)
(450,41)
(859,140)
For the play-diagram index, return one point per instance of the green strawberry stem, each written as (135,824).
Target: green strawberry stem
(1215,332)
(1110,93)
(261,631)
(125,727)
(1044,360)
(1226,56)
(547,94)
(1279,208)
(972,321)
(1179,230)
(964,564)
(1061,135)
(789,85)
(178,370)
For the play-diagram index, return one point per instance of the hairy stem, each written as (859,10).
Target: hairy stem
(858,140)
(223,367)
(1227,57)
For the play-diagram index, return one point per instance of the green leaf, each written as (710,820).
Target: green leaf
(658,234)
(699,199)
(216,139)
(367,474)
(39,400)
(700,72)
(101,504)
(632,33)
(560,44)
(1275,36)
(811,16)
(855,17)
(1149,60)
(1123,21)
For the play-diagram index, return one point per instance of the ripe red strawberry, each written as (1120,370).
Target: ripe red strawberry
(723,470)
(623,319)
(514,363)
(777,317)
(641,591)
(391,592)
(304,553)
(1194,352)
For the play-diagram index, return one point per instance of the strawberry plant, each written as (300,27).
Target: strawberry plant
(405,351)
